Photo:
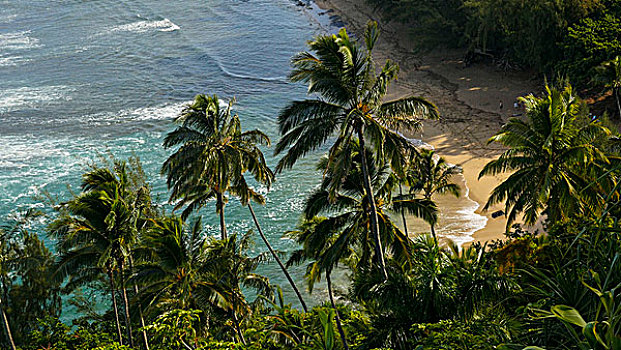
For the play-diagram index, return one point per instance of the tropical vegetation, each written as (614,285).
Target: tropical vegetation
(140,275)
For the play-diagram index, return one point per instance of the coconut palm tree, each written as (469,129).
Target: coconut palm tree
(97,231)
(609,74)
(233,270)
(549,154)
(172,272)
(348,212)
(241,150)
(187,270)
(88,248)
(316,239)
(431,175)
(351,106)
(212,153)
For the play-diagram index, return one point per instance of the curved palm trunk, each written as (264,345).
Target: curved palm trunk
(405,223)
(238,329)
(7,327)
(433,233)
(145,340)
(336,312)
(616,92)
(220,206)
(128,319)
(379,251)
(282,266)
(115,307)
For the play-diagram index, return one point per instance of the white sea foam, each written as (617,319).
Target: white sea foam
(29,97)
(164,25)
(161,112)
(12,61)
(18,41)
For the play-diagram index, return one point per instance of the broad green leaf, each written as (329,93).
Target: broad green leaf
(568,314)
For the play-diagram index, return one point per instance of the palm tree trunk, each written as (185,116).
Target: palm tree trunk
(145,340)
(379,251)
(128,319)
(433,233)
(7,327)
(238,329)
(282,266)
(336,312)
(616,92)
(115,307)
(405,223)
(220,207)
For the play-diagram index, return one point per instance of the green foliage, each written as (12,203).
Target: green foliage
(587,44)
(571,37)
(50,333)
(458,335)
(175,329)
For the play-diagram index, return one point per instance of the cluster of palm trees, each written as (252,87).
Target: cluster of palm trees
(154,263)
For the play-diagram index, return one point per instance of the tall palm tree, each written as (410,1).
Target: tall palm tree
(241,155)
(316,239)
(431,175)
(348,215)
(213,152)
(351,106)
(97,231)
(173,273)
(548,154)
(190,271)
(609,74)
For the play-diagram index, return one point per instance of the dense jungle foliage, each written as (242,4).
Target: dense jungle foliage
(165,284)
(569,38)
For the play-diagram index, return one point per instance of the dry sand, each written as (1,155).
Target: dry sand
(468,99)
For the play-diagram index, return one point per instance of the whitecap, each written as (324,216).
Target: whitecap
(30,97)
(164,25)
(18,41)
(12,61)
(161,112)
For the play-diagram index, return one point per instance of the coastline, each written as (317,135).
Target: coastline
(468,99)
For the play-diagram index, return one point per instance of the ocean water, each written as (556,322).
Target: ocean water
(81,79)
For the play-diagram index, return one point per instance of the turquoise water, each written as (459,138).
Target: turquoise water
(84,78)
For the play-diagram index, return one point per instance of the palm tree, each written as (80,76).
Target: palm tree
(317,239)
(190,271)
(609,74)
(173,271)
(432,175)
(351,106)
(97,231)
(241,151)
(213,152)
(233,270)
(548,154)
(348,212)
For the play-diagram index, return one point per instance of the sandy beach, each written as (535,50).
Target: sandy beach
(469,100)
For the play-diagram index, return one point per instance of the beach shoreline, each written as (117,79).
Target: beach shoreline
(474,101)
